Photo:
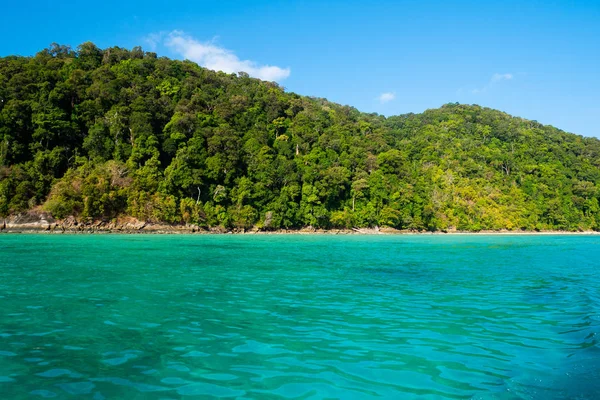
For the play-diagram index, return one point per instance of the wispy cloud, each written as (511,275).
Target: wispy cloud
(501,77)
(154,39)
(494,80)
(386,97)
(212,56)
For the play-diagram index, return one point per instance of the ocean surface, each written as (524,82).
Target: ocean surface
(299,317)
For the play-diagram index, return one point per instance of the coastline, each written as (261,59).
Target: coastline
(42,223)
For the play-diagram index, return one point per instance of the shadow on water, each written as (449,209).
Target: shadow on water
(578,379)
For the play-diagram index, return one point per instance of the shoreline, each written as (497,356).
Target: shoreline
(159,229)
(43,223)
(333,232)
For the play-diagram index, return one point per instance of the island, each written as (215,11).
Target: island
(118,139)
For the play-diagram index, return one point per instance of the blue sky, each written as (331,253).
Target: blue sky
(534,59)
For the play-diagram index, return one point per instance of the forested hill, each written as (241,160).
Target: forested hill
(100,134)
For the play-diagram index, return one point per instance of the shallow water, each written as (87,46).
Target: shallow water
(299,317)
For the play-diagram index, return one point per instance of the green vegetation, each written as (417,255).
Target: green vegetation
(104,133)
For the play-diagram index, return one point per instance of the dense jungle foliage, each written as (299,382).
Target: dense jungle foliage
(105,133)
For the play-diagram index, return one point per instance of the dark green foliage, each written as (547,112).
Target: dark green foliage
(104,133)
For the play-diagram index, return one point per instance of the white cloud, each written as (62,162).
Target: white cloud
(495,79)
(153,40)
(501,77)
(386,97)
(213,57)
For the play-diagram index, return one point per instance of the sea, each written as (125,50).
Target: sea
(90,316)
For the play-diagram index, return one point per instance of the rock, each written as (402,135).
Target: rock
(217,229)
(69,222)
(33,220)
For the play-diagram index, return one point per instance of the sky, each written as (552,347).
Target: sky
(538,60)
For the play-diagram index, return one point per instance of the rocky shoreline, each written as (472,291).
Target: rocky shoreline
(41,222)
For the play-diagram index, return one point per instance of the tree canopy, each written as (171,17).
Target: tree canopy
(99,134)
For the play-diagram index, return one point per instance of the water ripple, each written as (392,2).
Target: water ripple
(291,317)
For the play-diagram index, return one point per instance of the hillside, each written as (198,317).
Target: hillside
(99,134)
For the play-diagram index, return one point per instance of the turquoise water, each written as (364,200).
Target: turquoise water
(299,317)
